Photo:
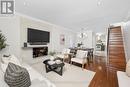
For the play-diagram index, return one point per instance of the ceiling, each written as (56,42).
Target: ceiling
(76,14)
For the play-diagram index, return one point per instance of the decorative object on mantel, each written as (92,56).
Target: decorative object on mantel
(2,41)
(62,39)
(52,53)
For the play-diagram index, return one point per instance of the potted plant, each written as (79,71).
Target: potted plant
(52,53)
(2,41)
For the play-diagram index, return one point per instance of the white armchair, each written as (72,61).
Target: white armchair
(81,57)
(64,54)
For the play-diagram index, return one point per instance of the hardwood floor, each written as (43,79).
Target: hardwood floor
(106,69)
(105,76)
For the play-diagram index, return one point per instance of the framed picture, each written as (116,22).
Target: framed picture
(62,39)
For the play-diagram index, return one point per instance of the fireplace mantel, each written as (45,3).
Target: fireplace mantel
(27,45)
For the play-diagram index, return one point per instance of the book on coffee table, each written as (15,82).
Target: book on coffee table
(51,62)
(58,61)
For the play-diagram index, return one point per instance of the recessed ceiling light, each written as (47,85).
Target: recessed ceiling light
(99,2)
(24,3)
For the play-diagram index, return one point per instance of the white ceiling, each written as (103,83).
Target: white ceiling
(76,14)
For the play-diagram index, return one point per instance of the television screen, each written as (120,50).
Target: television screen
(38,36)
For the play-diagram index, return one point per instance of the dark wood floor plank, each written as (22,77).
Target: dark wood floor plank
(105,75)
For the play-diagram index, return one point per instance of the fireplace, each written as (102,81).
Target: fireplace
(40,51)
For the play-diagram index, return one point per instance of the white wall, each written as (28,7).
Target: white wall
(10,27)
(100,24)
(55,32)
(126,33)
(26,53)
(87,41)
(15,30)
(69,38)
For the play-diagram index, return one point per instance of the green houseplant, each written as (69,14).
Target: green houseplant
(52,53)
(2,41)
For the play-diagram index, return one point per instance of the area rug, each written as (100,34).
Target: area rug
(73,76)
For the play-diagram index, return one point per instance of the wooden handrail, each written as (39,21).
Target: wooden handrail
(108,33)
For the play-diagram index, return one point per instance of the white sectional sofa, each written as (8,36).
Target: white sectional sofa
(37,80)
(123,79)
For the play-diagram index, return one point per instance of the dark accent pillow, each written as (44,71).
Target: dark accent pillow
(16,76)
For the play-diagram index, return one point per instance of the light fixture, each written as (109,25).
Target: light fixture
(99,2)
(24,3)
(82,34)
(98,36)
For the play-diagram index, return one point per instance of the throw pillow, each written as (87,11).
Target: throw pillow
(128,68)
(6,60)
(16,76)
(3,67)
(81,53)
(15,60)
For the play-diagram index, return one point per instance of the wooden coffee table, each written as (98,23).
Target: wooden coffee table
(56,66)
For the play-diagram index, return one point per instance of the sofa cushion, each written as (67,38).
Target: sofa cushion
(2,82)
(60,56)
(6,60)
(10,58)
(34,75)
(81,54)
(128,68)
(38,83)
(123,79)
(16,76)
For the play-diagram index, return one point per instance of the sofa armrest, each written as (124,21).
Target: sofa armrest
(123,79)
(34,75)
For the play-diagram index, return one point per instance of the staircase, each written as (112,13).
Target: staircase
(116,53)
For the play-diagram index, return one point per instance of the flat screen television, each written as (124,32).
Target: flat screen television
(34,36)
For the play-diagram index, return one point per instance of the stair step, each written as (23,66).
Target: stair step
(115,43)
(115,30)
(117,65)
(116,56)
(119,59)
(116,38)
(115,61)
(116,52)
(115,34)
(116,48)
